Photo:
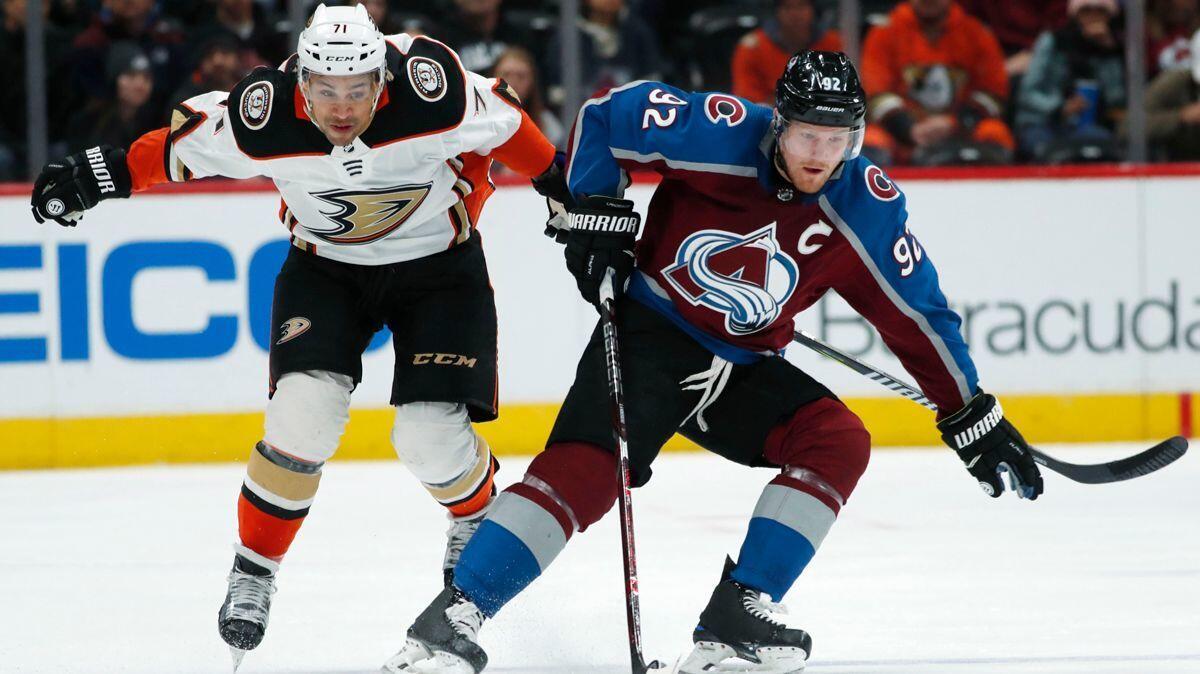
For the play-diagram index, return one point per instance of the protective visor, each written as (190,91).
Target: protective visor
(340,89)
(818,143)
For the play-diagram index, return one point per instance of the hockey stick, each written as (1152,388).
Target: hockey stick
(616,395)
(1158,456)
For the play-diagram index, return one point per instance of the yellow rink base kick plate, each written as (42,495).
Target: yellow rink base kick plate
(522,430)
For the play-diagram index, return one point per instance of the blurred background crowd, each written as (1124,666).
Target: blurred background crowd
(949,81)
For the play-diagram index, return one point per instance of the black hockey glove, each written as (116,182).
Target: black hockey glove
(989,445)
(603,233)
(552,184)
(68,187)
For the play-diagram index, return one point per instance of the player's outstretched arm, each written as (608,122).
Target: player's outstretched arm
(198,143)
(67,187)
(891,281)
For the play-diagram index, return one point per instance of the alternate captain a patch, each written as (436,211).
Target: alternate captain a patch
(363,216)
(427,77)
(255,104)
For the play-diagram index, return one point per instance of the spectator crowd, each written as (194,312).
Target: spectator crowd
(948,81)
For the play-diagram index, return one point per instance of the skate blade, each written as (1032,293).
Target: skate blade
(237,654)
(417,658)
(710,656)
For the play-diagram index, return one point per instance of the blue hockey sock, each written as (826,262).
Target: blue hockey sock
(512,547)
(785,531)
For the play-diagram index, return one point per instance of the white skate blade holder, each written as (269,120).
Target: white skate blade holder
(709,656)
(417,658)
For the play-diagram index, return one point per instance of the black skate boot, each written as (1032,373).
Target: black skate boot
(443,639)
(736,624)
(242,620)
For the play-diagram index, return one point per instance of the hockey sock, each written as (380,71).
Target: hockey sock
(790,520)
(513,546)
(824,449)
(470,491)
(567,488)
(276,495)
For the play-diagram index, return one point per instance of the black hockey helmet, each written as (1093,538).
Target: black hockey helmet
(822,88)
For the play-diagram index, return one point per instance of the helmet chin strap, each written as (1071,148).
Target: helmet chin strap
(781,165)
(782,169)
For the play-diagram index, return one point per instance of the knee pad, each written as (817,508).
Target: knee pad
(308,413)
(436,442)
(579,478)
(822,444)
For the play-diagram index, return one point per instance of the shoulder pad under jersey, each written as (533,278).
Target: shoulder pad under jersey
(867,198)
(426,94)
(262,115)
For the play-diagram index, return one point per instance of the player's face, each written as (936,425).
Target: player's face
(811,153)
(341,106)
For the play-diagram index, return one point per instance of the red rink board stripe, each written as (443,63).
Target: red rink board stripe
(902,174)
(1185,415)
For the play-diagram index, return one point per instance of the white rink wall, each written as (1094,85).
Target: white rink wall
(160,304)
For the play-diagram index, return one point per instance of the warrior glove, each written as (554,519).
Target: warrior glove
(67,187)
(989,445)
(602,236)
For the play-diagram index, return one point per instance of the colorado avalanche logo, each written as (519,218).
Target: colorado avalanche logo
(747,278)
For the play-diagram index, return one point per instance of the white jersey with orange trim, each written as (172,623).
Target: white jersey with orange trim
(411,185)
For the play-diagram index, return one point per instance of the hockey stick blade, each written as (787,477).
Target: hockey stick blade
(1155,458)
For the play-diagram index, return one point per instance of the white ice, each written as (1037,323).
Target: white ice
(123,570)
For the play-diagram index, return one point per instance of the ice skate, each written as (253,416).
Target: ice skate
(736,634)
(242,620)
(443,639)
(457,536)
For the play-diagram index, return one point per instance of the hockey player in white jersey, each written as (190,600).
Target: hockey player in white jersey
(380,148)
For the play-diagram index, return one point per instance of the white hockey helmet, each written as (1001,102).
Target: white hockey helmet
(341,41)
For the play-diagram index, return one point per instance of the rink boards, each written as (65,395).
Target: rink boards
(141,335)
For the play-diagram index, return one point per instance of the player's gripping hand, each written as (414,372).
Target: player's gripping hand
(552,184)
(67,187)
(602,236)
(989,445)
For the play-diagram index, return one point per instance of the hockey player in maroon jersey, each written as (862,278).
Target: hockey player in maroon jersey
(380,148)
(760,212)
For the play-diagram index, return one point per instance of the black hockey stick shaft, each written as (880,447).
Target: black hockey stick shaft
(1144,463)
(612,357)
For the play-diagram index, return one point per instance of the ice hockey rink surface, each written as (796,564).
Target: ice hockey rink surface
(122,570)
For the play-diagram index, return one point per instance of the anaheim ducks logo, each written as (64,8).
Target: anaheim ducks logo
(363,216)
(293,328)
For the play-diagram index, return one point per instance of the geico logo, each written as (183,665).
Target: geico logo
(442,359)
(196,271)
